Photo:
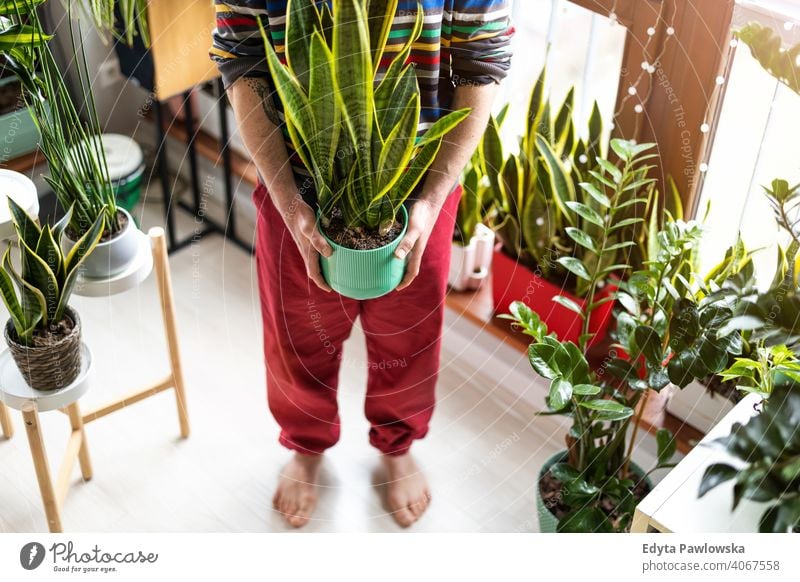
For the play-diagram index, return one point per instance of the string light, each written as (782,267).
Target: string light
(638,108)
(670,31)
(631,90)
(703,168)
(720,80)
(705,128)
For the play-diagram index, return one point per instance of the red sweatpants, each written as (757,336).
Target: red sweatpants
(304,328)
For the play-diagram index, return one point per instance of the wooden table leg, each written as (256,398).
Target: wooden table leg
(76,421)
(31,418)
(5,422)
(164,282)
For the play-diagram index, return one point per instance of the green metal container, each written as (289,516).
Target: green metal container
(548,523)
(365,274)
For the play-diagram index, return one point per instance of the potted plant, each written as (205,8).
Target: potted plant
(594,485)
(703,402)
(765,464)
(78,173)
(43,333)
(357,135)
(473,240)
(540,205)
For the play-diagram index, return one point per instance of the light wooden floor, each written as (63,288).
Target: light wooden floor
(482,455)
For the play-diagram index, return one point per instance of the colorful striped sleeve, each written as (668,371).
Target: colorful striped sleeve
(237,45)
(478,33)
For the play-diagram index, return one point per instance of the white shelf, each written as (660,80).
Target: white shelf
(673,505)
(16,393)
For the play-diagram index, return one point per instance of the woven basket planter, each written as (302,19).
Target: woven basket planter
(52,366)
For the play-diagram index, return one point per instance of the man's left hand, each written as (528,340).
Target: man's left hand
(420,225)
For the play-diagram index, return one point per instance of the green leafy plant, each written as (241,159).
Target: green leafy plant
(477,202)
(356,135)
(598,482)
(766,368)
(76,159)
(532,188)
(765,45)
(767,451)
(132,23)
(771,316)
(47,276)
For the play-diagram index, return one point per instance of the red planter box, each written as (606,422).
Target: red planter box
(512,281)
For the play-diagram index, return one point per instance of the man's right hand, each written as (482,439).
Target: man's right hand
(301,221)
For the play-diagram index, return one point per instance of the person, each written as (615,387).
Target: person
(460,58)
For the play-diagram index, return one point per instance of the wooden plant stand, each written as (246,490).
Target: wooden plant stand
(15,393)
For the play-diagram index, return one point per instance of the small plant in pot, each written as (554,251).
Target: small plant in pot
(594,485)
(44,333)
(78,173)
(473,240)
(356,135)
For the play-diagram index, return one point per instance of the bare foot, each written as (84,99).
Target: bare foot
(296,496)
(408,493)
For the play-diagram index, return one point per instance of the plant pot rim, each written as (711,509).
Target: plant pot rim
(76,330)
(130,224)
(337,246)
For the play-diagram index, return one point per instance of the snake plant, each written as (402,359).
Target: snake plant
(355,130)
(531,188)
(78,171)
(47,276)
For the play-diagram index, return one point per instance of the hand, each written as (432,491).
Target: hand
(420,224)
(302,224)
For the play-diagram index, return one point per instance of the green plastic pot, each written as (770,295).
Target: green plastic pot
(367,274)
(548,523)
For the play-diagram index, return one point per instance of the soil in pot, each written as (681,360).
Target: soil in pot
(550,490)
(359,239)
(122,219)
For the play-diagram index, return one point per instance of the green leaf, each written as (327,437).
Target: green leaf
(564,473)
(302,21)
(588,214)
(575,266)
(569,304)
(666,444)
(13,7)
(560,394)
(559,181)
(582,238)
(444,126)
(607,409)
(586,390)
(24,224)
(649,343)
(595,193)
(715,475)
(323,107)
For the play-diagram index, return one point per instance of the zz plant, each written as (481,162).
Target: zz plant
(355,133)
(605,403)
(767,462)
(47,276)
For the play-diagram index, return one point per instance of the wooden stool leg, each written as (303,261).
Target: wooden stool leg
(5,422)
(76,421)
(164,281)
(31,418)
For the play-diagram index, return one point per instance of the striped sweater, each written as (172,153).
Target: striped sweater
(462,42)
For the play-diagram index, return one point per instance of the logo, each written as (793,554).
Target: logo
(31,555)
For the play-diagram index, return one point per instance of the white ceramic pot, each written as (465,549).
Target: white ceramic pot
(110,257)
(698,407)
(469,264)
